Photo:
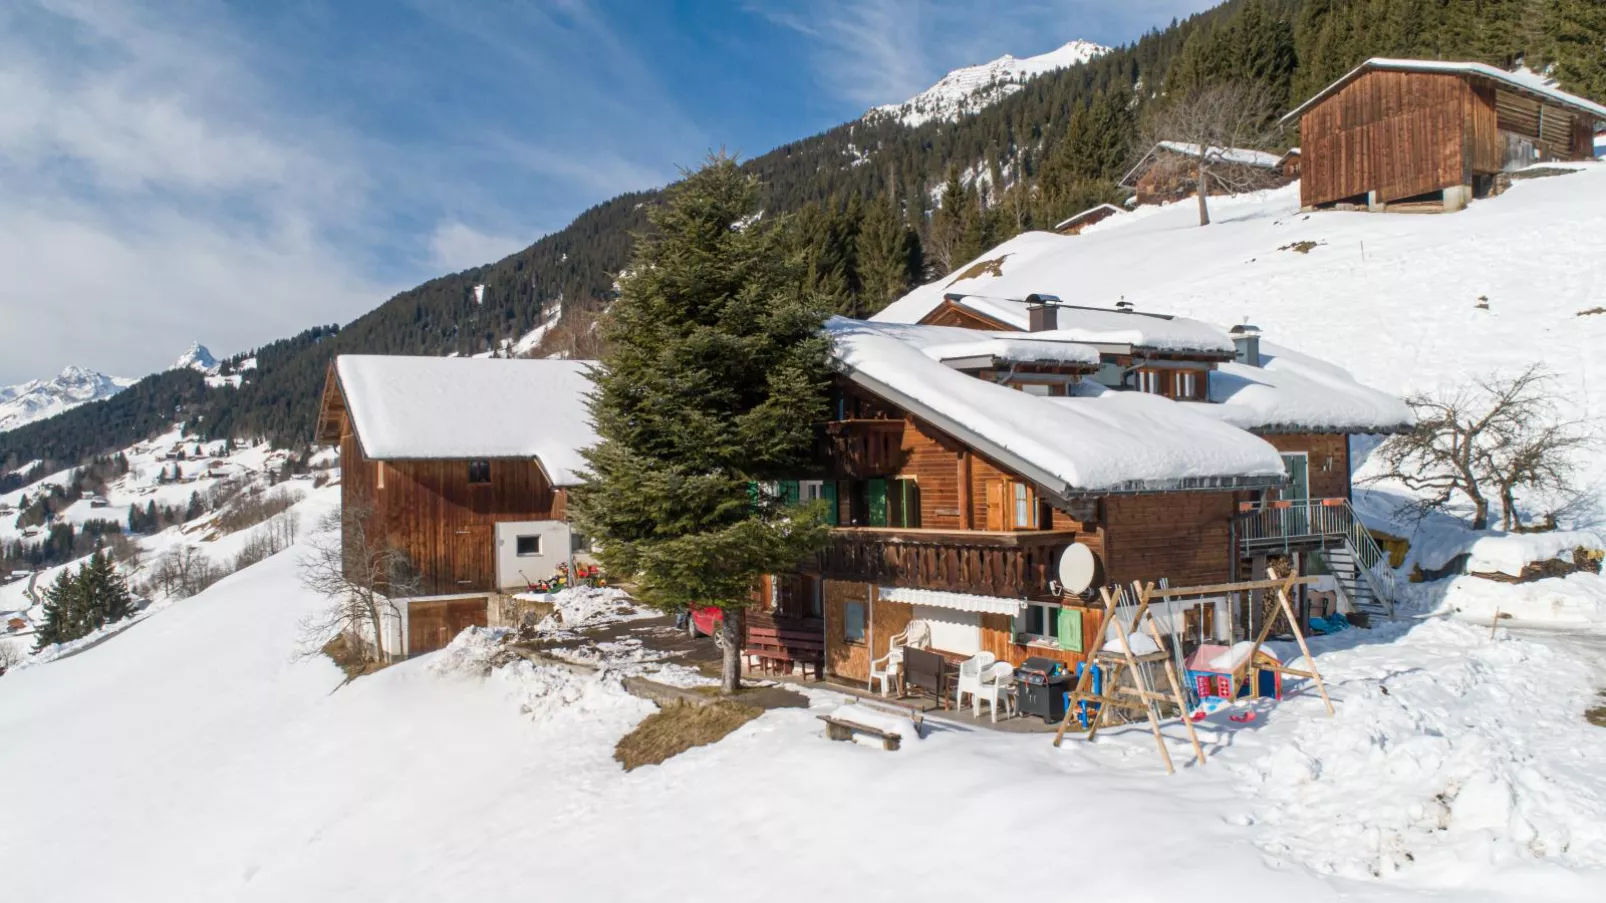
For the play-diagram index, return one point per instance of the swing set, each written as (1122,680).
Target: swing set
(1139,650)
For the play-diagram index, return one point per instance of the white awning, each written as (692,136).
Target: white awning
(993,605)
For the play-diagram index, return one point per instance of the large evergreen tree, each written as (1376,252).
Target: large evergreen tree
(887,260)
(1577,33)
(714,381)
(63,612)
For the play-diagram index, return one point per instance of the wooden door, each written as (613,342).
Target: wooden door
(433,625)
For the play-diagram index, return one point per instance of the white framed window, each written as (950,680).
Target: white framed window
(527,546)
(1039,621)
(853,622)
(1025,507)
(810,490)
(1149,381)
(1185,383)
(1043,389)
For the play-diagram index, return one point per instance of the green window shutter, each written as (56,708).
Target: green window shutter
(876,493)
(911,503)
(1070,629)
(790,492)
(828,492)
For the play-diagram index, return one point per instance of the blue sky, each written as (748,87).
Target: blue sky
(181,170)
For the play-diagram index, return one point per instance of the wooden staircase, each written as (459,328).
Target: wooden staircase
(1328,526)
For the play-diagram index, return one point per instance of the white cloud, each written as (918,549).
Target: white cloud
(454,246)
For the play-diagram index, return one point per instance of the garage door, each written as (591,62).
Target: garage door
(432,625)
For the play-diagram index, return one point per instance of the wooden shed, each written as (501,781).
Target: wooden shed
(1075,224)
(1422,134)
(462,464)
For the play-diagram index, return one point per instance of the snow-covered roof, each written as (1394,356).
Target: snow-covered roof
(1239,156)
(437,407)
(1100,211)
(1104,442)
(1526,82)
(1104,327)
(1293,393)
(974,347)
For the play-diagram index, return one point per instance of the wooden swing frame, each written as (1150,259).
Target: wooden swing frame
(1145,698)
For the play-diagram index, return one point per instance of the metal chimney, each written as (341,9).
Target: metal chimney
(1246,339)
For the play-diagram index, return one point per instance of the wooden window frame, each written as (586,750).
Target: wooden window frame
(475,465)
(864,622)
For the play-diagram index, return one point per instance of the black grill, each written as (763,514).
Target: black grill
(1040,688)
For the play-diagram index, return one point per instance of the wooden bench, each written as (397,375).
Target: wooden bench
(777,646)
(837,729)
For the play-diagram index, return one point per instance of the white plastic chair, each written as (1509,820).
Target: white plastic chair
(916,634)
(887,669)
(970,675)
(995,688)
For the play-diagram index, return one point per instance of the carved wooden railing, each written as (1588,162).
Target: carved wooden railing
(987,563)
(862,449)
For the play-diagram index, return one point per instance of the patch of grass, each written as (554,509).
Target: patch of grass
(1597,715)
(1302,247)
(676,728)
(994,268)
(349,658)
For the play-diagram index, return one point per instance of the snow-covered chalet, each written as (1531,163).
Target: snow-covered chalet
(464,465)
(975,440)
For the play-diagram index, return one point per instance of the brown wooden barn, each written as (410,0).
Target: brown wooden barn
(962,463)
(1427,135)
(463,464)
(1168,172)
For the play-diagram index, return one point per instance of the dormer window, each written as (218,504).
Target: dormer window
(479,472)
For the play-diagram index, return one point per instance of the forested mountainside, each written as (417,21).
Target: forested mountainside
(879,206)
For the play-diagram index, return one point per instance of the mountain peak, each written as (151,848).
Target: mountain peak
(37,399)
(971,89)
(196,358)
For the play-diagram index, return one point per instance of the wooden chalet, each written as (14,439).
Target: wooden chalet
(1169,171)
(1429,135)
(462,464)
(969,451)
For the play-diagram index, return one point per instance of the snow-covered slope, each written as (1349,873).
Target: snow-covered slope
(965,91)
(41,398)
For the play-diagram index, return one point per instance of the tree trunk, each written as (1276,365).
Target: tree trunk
(377,618)
(1480,512)
(1203,187)
(733,627)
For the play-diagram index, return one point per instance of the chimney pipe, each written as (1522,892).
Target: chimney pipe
(1246,339)
(1124,306)
(1041,315)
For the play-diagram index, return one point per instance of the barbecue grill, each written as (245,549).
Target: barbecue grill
(1040,688)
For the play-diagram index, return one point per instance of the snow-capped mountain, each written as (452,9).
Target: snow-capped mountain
(40,398)
(196,358)
(965,91)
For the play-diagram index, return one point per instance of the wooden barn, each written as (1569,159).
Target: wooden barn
(963,463)
(462,464)
(1168,172)
(1427,135)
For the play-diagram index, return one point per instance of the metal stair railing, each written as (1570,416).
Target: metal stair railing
(1281,525)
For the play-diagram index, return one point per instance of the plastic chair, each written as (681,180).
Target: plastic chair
(916,634)
(997,683)
(888,669)
(970,675)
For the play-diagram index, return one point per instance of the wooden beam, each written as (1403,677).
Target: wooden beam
(1220,588)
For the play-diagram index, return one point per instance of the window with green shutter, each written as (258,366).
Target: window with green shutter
(876,496)
(828,492)
(1070,629)
(789,492)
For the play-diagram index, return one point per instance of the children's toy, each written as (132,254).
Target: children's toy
(1222,673)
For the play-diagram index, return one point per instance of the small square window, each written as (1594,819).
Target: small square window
(853,622)
(528,546)
(479,472)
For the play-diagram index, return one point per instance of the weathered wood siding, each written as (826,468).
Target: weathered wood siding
(1185,537)
(1329,460)
(1400,134)
(432,625)
(446,525)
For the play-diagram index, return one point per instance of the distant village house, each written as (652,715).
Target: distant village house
(1432,136)
(1091,216)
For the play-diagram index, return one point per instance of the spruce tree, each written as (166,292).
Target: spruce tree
(104,592)
(63,612)
(1576,30)
(714,381)
(885,256)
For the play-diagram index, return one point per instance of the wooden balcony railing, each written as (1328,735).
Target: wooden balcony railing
(862,449)
(987,563)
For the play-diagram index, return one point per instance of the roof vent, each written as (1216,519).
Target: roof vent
(1124,306)
(1041,313)
(1246,339)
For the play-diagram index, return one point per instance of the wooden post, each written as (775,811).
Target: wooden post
(1176,691)
(1494,623)
(1299,636)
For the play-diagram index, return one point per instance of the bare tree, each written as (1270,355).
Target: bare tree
(362,578)
(1485,442)
(1216,120)
(10,657)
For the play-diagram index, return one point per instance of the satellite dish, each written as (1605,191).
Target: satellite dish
(1076,568)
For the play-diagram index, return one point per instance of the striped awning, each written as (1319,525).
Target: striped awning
(993,605)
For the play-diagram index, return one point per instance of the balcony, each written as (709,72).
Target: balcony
(986,563)
(862,449)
